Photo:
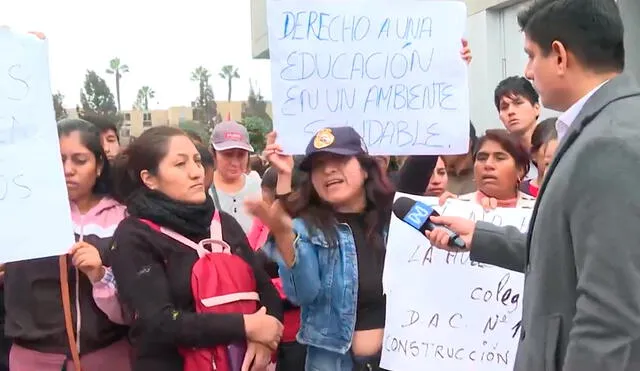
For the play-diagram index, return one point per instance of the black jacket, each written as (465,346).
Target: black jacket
(34,315)
(153,272)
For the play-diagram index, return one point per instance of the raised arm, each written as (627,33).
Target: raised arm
(500,246)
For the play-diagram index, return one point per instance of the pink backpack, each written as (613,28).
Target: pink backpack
(220,283)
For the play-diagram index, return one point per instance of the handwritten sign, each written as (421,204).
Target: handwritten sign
(444,311)
(34,208)
(392,71)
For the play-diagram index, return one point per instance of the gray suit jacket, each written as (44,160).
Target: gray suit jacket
(581,257)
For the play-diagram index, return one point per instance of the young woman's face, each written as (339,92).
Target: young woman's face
(81,168)
(339,181)
(495,171)
(180,173)
(232,163)
(439,179)
(544,155)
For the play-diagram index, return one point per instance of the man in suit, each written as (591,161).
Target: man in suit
(581,256)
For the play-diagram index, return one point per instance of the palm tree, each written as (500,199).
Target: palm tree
(145,93)
(200,75)
(116,68)
(204,103)
(229,73)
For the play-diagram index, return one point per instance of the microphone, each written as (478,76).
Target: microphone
(417,214)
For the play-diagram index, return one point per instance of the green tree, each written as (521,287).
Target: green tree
(61,113)
(229,73)
(196,127)
(96,99)
(145,94)
(204,106)
(255,106)
(258,127)
(118,69)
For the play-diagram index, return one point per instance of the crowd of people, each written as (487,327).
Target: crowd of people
(195,255)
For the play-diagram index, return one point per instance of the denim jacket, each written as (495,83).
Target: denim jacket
(323,281)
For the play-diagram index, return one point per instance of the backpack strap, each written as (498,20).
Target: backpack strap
(216,226)
(68,317)
(230,298)
(217,244)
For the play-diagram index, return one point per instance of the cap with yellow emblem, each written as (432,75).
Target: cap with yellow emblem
(343,140)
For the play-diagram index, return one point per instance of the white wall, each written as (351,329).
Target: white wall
(630,10)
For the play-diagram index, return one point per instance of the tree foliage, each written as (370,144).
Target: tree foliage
(118,69)
(229,73)
(255,106)
(145,94)
(58,107)
(96,99)
(205,109)
(196,127)
(258,127)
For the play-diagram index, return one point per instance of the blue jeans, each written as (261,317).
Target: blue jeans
(324,360)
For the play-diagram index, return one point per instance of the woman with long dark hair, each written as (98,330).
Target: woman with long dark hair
(160,178)
(331,256)
(35,319)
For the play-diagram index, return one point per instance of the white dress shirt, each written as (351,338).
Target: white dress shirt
(565,120)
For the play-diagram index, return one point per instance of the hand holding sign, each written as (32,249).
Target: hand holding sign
(29,184)
(87,259)
(466,52)
(395,74)
(273,153)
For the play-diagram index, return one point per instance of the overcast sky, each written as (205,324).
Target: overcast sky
(161,42)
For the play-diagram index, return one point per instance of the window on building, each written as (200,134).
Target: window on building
(127,117)
(146,117)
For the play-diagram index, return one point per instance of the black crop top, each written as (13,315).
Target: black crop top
(370,312)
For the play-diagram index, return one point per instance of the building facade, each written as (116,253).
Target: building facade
(497,45)
(136,121)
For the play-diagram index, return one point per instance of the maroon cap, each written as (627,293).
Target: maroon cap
(229,135)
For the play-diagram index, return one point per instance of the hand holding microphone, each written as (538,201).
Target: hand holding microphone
(444,232)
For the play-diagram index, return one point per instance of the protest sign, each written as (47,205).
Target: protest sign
(34,207)
(445,312)
(392,71)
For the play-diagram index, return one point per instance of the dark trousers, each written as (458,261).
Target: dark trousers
(291,357)
(367,364)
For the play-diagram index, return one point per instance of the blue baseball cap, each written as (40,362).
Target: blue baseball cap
(343,140)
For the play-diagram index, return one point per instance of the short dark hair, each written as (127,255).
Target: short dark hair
(195,137)
(256,164)
(270,179)
(513,86)
(205,156)
(590,29)
(510,144)
(143,154)
(103,123)
(90,138)
(473,137)
(544,132)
